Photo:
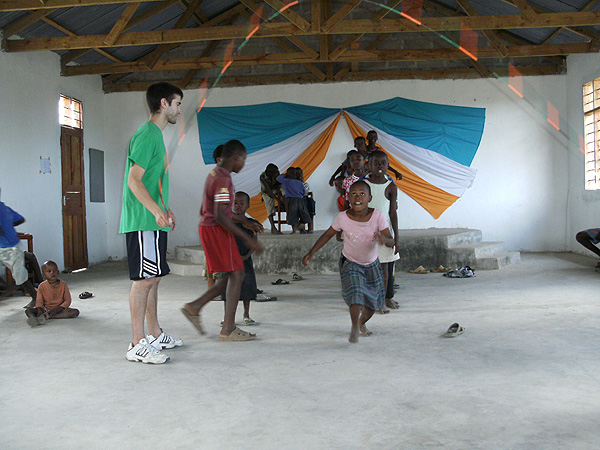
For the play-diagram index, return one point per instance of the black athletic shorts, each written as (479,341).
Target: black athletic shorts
(147,254)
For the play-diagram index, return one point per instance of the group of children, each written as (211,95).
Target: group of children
(368,222)
(367,219)
(292,193)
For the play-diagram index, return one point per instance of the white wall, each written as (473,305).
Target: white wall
(584,206)
(30,85)
(519,195)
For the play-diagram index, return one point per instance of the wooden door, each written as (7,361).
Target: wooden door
(73,200)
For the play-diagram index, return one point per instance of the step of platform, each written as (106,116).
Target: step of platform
(186,269)
(430,248)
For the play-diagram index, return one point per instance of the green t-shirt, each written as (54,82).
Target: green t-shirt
(147,149)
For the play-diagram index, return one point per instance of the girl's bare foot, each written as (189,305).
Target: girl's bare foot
(365,331)
(353,338)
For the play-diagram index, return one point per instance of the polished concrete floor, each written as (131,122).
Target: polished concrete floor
(524,375)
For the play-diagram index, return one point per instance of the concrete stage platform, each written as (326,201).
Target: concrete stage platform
(430,248)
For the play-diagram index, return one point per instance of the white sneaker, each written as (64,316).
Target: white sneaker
(146,353)
(164,340)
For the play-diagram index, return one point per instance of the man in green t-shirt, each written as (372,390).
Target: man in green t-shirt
(145,220)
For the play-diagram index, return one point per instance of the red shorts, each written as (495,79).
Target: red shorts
(220,249)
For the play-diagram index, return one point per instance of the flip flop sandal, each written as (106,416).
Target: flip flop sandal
(85,295)
(454,330)
(249,321)
(297,277)
(419,269)
(237,335)
(195,320)
(264,298)
(280,281)
(441,269)
(383,311)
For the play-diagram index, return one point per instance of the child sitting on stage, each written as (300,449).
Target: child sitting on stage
(241,203)
(53,298)
(297,215)
(360,270)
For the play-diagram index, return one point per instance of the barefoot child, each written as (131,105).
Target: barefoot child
(53,298)
(241,203)
(360,270)
(384,194)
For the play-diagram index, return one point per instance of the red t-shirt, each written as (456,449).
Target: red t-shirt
(218,188)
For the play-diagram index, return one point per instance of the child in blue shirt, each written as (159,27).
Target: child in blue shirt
(297,215)
(11,255)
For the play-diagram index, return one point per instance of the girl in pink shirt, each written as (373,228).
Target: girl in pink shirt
(360,270)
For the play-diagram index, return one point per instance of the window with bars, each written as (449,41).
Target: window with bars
(70,112)
(591,114)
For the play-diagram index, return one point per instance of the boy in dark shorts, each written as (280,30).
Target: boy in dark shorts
(248,290)
(217,233)
(145,220)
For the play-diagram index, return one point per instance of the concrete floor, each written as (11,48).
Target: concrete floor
(524,375)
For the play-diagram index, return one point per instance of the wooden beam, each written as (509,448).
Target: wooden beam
(289,14)
(372,46)
(25,21)
(279,41)
(151,37)
(496,22)
(284,29)
(254,7)
(560,30)
(315,16)
(360,56)
(525,8)
(339,16)
(355,37)
(464,73)
(540,10)
(162,6)
(121,23)
(489,34)
(70,33)
(153,57)
(73,55)
(28,5)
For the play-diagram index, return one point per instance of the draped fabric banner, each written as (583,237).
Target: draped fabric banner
(431,145)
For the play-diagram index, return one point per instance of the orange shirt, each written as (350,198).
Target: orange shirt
(52,297)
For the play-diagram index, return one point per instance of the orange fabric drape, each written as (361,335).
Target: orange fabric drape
(308,161)
(433,199)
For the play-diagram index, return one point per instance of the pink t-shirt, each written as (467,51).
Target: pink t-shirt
(359,244)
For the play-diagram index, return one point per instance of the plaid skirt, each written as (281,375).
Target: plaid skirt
(362,285)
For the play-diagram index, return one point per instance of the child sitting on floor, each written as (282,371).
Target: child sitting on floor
(53,298)
(360,270)
(297,215)
(248,292)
